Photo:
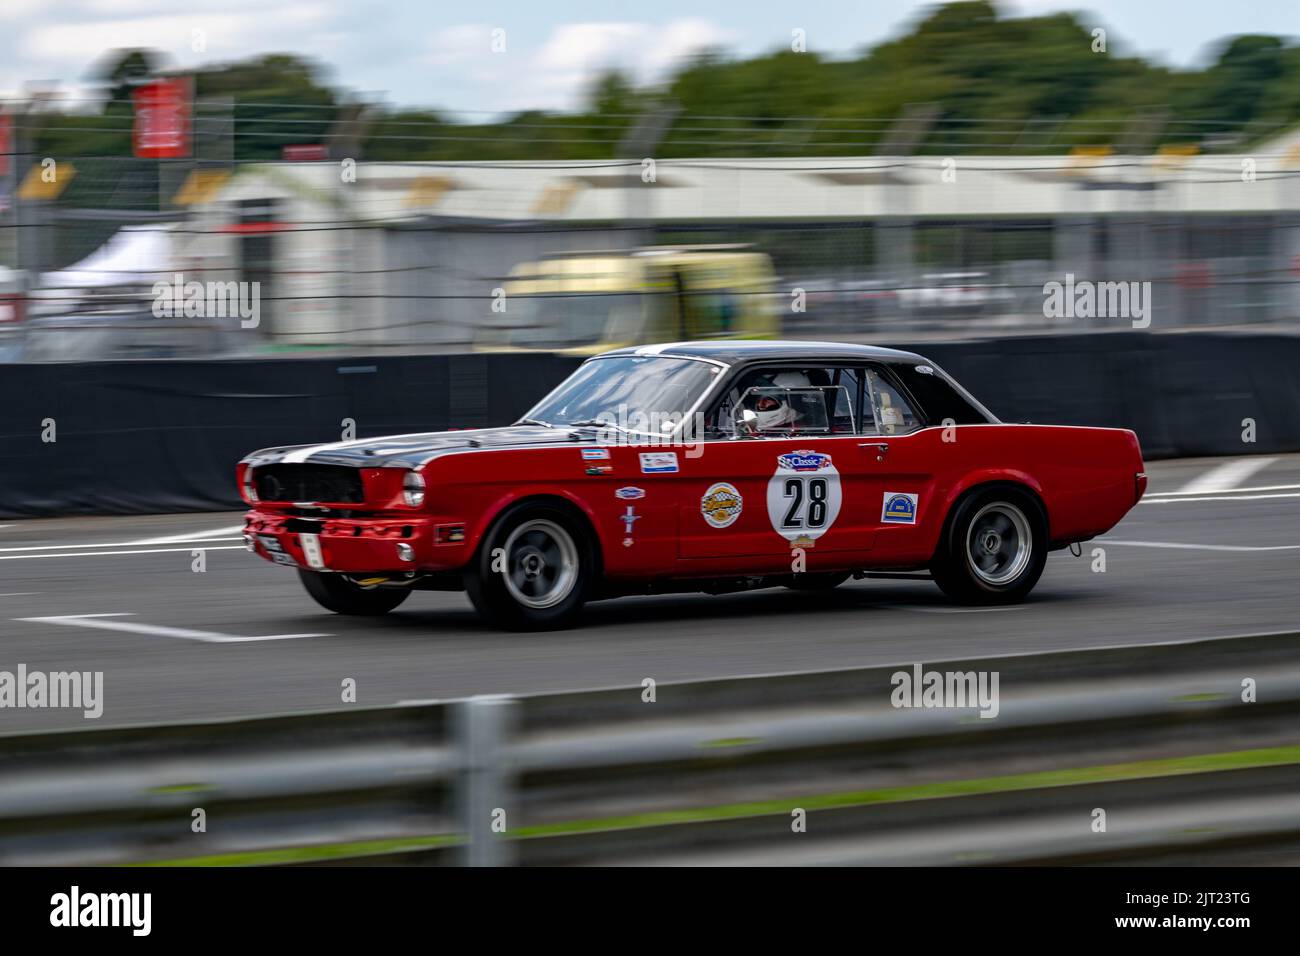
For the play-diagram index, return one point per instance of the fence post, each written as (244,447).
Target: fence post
(484,787)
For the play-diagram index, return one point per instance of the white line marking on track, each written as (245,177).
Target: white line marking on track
(1230,497)
(1200,547)
(1235,491)
(223,533)
(111,554)
(109,544)
(21,593)
(207,637)
(1226,476)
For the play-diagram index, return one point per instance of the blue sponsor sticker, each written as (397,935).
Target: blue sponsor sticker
(629,493)
(804,460)
(595,454)
(900,508)
(658,462)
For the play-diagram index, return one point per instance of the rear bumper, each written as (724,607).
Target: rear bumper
(356,545)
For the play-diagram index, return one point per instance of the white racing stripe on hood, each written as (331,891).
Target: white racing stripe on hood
(302,454)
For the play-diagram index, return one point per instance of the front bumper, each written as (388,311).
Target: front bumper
(357,545)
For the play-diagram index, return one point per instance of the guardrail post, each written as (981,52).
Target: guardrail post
(485,783)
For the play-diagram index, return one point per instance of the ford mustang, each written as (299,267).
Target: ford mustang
(694,466)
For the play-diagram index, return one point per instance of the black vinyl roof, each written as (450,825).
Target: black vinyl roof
(737,351)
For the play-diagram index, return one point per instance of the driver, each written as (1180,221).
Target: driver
(775,412)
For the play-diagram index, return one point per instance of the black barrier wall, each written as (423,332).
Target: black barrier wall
(164,436)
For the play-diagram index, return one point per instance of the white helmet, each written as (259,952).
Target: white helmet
(775,412)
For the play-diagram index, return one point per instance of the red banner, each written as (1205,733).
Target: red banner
(162,119)
(304,153)
(6,142)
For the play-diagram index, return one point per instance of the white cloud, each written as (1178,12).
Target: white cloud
(17,9)
(556,74)
(226,36)
(577,46)
(460,44)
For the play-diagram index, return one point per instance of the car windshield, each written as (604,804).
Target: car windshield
(632,392)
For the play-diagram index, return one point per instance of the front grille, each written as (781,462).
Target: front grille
(335,483)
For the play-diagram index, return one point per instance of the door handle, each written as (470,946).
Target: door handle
(881,447)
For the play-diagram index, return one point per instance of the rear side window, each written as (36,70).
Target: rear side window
(939,399)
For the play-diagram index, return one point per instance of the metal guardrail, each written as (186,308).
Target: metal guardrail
(1156,735)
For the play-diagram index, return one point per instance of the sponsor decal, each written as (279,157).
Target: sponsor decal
(600,469)
(804,461)
(595,454)
(803,497)
(630,493)
(899,508)
(721,505)
(629,518)
(658,462)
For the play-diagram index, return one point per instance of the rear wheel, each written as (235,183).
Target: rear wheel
(534,569)
(342,595)
(993,549)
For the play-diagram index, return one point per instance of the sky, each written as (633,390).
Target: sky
(440,53)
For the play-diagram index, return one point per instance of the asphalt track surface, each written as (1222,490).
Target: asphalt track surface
(1213,551)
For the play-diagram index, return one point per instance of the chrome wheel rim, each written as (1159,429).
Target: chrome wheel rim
(541,566)
(999,543)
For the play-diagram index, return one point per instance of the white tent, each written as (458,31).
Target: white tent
(135,255)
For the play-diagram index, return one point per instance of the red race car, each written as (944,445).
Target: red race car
(697,466)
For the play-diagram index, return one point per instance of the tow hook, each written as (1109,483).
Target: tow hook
(1076,549)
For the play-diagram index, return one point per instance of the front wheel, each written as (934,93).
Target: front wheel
(994,548)
(342,595)
(533,571)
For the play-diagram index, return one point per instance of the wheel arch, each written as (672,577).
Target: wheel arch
(1016,483)
(570,506)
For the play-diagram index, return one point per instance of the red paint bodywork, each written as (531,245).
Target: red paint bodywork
(1086,478)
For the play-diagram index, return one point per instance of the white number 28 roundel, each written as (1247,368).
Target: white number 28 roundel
(804,496)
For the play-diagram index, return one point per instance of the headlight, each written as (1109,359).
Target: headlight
(250,489)
(413,489)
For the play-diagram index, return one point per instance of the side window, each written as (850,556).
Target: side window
(892,414)
(790,401)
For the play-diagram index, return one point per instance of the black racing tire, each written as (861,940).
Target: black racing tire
(337,593)
(993,548)
(534,569)
(817,581)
